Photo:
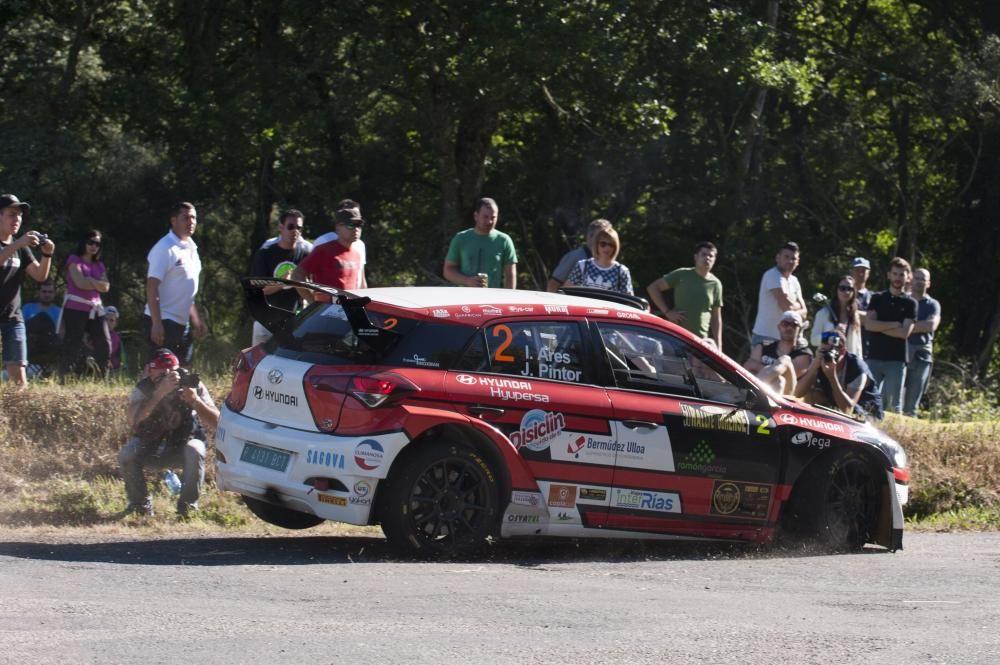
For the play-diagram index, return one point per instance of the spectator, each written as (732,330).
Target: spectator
(920,343)
(167,415)
(602,270)
(482,256)
(279,260)
(46,304)
(335,264)
(16,260)
(697,295)
(891,314)
(83,311)
(779,292)
(118,358)
(170,316)
(841,313)
(573,256)
(860,268)
(358,245)
(780,364)
(41,322)
(840,379)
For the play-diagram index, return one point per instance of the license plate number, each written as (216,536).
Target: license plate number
(269,458)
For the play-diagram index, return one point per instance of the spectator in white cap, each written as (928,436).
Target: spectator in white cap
(860,269)
(780,364)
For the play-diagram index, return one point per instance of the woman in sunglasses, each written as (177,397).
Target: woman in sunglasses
(602,270)
(841,313)
(83,312)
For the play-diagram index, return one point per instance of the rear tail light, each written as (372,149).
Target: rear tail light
(383,389)
(243,369)
(325,391)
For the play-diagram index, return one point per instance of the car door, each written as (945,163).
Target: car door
(691,458)
(533,380)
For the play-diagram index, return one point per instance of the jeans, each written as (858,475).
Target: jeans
(134,457)
(917,374)
(15,342)
(889,377)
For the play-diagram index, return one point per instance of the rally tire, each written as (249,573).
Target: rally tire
(840,502)
(441,500)
(279,516)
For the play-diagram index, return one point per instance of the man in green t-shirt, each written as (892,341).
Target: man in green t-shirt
(482,250)
(697,295)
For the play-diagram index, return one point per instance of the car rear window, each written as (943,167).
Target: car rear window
(324,335)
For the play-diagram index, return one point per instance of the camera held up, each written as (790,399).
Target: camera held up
(834,341)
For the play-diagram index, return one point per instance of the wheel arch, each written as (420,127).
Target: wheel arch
(886,526)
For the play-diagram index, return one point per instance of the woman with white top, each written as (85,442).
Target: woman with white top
(601,270)
(841,313)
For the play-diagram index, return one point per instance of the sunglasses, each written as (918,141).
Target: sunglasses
(293,227)
(353,225)
(788,324)
(95,243)
(844,288)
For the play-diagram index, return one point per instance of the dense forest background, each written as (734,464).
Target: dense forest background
(854,127)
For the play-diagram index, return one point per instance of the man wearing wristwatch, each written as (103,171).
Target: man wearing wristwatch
(16,260)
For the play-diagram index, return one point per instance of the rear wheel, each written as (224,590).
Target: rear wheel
(441,501)
(278,516)
(841,502)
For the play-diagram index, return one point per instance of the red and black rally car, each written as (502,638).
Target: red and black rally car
(451,415)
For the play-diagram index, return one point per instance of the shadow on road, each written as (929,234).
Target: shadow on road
(305,551)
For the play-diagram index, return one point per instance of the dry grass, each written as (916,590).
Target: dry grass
(59,445)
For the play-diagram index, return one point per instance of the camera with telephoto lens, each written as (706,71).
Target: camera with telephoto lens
(832,339)
(188,378)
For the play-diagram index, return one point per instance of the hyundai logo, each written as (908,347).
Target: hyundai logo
(258,392)
(465,379)
(275,376)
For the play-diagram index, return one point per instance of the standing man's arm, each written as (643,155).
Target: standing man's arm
(715,327)
(786,302)
(156,334)
(456,276)
(300,275)
(39,270)
(197,325)
(510,276)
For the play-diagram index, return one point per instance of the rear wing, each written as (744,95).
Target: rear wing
(603,294)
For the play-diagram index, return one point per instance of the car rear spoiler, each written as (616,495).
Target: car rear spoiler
(277,320)
(610,296)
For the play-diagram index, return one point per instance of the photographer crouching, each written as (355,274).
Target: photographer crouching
(167,411)
(840,380)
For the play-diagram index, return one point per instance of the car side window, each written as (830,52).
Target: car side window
(541,350)
(650,360)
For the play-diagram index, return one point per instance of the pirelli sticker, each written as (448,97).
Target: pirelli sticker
(739,499)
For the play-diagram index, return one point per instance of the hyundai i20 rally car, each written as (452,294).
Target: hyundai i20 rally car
(450,416)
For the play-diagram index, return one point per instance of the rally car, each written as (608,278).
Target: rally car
(451,416)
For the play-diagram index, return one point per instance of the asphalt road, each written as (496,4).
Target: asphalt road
(221,600)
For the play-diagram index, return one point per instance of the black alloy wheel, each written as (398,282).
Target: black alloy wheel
(845,503)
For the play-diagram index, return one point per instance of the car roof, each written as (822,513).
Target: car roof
(429,297)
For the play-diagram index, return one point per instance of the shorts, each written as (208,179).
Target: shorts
(15,343)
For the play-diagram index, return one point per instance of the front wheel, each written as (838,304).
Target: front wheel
(841,502)
(442,501)
(279,516)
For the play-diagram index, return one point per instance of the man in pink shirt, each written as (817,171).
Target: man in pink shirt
(337,263)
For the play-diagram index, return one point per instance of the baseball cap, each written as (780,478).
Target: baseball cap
(793,317)
(111,310)
(163,359)
(861,262)
(8,200)
(348,215)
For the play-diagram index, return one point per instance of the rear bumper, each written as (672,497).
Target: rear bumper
(353,465)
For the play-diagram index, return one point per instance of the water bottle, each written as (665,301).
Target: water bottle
(172,482)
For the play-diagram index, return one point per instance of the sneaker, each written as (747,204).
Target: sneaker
(184,509)
(145,509)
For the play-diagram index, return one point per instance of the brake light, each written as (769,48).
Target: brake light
(243,368)
(381,389)
(901,475)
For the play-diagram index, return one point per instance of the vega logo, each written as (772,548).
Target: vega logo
(538,428)
(368,454)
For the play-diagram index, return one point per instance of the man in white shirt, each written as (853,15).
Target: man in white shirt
(780,292)
(170,315)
